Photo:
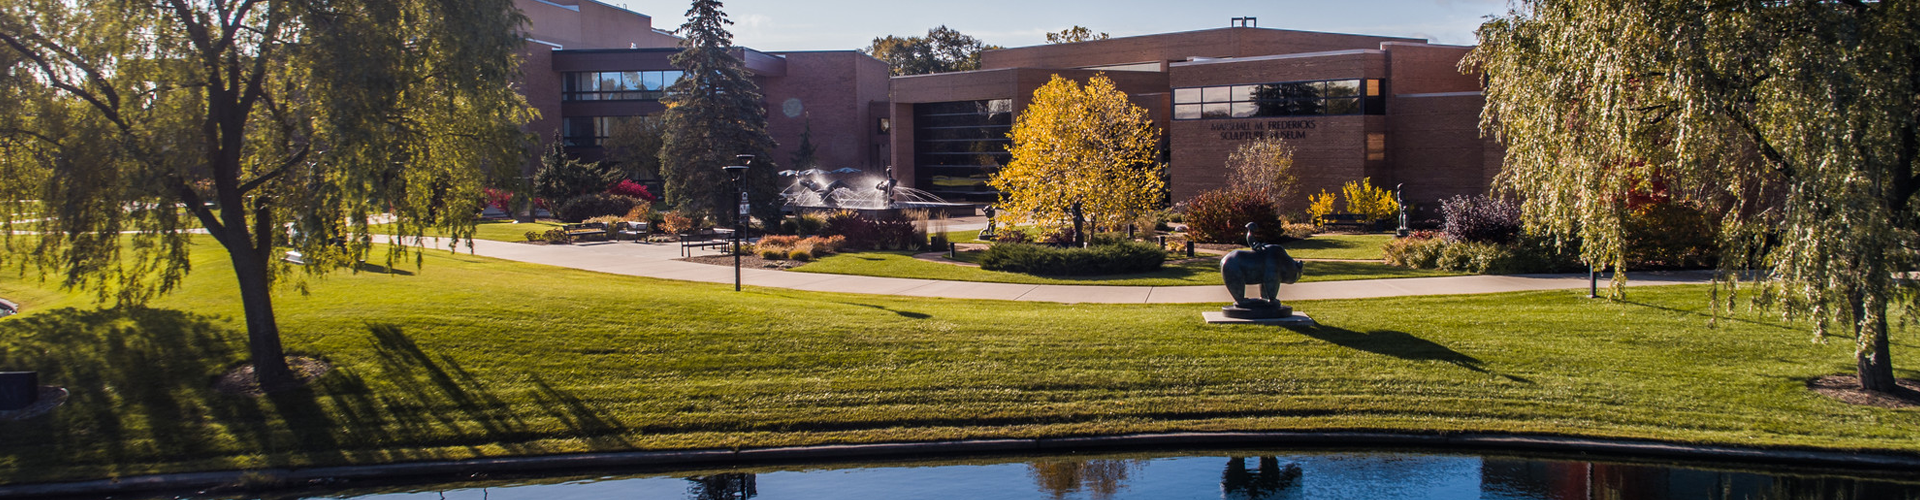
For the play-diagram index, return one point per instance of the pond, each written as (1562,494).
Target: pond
(1197,475)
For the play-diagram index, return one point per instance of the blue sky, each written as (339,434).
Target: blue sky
(780,25)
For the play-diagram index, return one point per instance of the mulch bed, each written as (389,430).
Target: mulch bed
(746,261)
(1846,388)
(241,382)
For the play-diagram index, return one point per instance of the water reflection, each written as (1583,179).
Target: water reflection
(1269,481)
(732,486)
(1245,475)
(1101,478)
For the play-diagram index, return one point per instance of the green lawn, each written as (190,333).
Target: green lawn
(1206,272)
(1341,246)
(471,357)
(494,230)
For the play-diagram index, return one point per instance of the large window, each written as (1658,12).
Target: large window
(957,145)
(1327,97)
(618,85)
(587,131)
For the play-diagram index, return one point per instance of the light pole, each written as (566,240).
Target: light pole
(739,175)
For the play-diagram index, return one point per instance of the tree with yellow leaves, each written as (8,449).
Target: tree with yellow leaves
(1081,144)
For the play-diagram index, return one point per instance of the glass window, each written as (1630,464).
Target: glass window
(1186,96)
(1341,88)
(1344,106)
(1323,97)
(1243,93)
(1217,110)
(1245,109)
(653,80)
(1217,94)
(1186,112)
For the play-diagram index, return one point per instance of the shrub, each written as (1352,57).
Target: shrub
(629,188)
(1122,258)
(1369,201)
(584,207)
(1416,251)
(861,233)
(779,241)
(806,224)
(800,255)
(1318,207)
(640,212)
(556,235)
(823,245)
(675,222)
(1669,235)
(1011,235)
(534,236)
(1480,219)
(771,253)
(609,220)
(1523,255)
(1299,230)
(498,198)
(1221,216)
(1063,235)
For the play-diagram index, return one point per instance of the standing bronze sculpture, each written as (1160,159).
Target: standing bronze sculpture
(1265,263)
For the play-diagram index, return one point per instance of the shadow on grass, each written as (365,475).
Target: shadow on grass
(1400,345)
(906,314)
(1728,317)
(140,392)
(369,267)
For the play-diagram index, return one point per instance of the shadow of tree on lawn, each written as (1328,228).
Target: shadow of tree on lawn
(140,392)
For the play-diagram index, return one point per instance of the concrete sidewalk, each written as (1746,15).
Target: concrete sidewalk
(658,260)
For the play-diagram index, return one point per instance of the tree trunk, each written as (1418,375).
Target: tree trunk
(1872,357)
(263,333)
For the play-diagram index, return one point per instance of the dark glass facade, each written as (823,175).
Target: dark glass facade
(957,145)
(587,131)
(1316,98)
(618,85)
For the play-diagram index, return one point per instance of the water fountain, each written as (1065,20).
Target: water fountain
(814,191)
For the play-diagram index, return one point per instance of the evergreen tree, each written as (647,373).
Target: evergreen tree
(634,146)
(714,113)
(272,125)
(804,155)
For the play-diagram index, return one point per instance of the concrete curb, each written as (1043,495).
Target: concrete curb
(1800,458)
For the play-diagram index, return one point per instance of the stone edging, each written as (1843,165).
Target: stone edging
(721,457)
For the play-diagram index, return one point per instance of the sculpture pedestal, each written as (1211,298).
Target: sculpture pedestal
(1270,310)
(1221,317)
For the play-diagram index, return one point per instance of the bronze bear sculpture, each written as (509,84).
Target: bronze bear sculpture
(1267,264)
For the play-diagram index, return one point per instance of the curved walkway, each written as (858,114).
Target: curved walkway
(660,260)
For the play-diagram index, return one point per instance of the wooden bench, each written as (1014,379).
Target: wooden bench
(584,230)
(1351,222)
(709,238)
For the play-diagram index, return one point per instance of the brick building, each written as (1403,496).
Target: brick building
(588,64)
(1395,110)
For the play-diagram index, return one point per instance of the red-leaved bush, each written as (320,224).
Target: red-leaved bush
(1221,216)
(634,189)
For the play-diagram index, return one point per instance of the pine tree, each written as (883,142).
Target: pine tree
(804,156)
(713,114)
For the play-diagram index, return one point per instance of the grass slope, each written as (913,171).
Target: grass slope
(479,357)
(1341,246)
(1206,272)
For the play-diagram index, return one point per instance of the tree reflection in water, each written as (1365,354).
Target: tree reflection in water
(731,486)
(1101,478)
(1270,481)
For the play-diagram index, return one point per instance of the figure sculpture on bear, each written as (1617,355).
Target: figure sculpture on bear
(1266,264)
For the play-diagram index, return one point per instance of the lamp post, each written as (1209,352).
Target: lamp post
(739,175)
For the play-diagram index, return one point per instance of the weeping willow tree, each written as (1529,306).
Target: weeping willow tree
(270,125)
(1793,121)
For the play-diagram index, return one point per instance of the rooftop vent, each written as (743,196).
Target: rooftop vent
(1246,22)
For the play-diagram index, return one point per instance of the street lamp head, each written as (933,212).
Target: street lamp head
(744,159)
(735,171)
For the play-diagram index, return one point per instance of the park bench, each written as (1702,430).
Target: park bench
(1350,222)
(634,230)
(585,230)
(705,238)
